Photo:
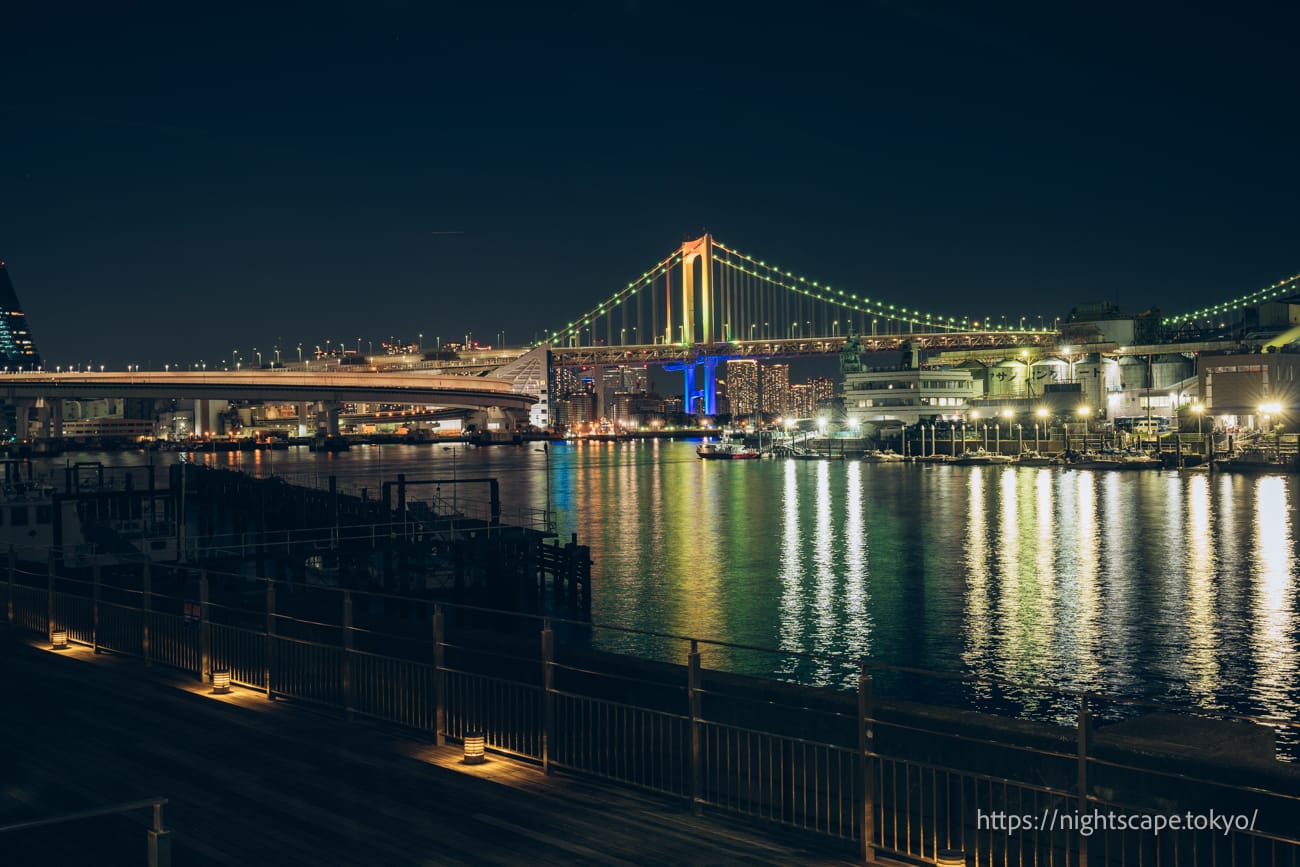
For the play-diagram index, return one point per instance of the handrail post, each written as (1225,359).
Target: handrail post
(147,614)
(1085,737)
(160,840)
(693,701)
(49,594)
(96,583)
(439,681)
(13,570)
(548,694)
(867,782)
(347,653)
(270,638)
(205,631)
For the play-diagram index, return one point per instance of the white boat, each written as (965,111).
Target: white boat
(727,449)
(980,456)
(888,456)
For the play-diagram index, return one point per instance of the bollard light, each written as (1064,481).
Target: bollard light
(59,639)
(221,681)
(949,858)
(475,742)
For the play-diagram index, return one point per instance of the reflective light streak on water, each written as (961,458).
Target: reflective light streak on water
(1175,586)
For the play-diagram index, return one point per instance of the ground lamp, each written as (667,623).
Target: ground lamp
(221,681)
(59,639)
(475,742)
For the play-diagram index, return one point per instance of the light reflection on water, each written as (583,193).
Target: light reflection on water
(1166,585)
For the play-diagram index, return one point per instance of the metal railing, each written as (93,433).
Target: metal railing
(158,838)
(876,775)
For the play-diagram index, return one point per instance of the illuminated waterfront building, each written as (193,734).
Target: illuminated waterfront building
(907,394)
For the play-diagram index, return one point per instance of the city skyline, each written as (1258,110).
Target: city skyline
(357,171)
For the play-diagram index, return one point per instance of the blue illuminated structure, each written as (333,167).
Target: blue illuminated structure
(706,391)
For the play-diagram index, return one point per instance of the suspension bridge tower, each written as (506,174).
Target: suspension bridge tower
(697,326)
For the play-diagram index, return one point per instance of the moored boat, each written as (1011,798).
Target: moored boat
(1259,460)
(979,457)
(888,456)
(727,449)
(1113,460)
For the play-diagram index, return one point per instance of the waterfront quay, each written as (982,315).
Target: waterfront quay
(791,770)
(252,781)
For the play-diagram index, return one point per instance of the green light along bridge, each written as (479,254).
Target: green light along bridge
(707,302)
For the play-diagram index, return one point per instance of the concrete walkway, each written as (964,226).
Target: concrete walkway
(251,781)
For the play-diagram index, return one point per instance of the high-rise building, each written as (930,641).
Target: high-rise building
(803,402)
(742,386)
(17,349)
(823,389)
(776,388)
(567,381)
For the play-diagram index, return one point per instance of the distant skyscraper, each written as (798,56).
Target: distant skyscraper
(823,389)
(802,401)
(742,386)
(17,349)
(776,388)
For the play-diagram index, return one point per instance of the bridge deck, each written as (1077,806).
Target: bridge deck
(254,781)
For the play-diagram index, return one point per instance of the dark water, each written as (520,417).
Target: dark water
(1165,585)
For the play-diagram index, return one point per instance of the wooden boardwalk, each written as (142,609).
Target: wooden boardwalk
(252,781)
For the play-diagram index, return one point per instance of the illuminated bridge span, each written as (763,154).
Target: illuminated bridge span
(707,302)
(414,389)
(708,293)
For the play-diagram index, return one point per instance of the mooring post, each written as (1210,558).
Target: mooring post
(866,781)
(693,701)
(439,680)
(548,694)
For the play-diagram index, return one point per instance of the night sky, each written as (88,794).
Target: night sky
(177,180)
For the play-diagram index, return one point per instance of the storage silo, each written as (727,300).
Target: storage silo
(1170,369)
(1046,371)
(1133,372)
(1090,373)
(1007,378)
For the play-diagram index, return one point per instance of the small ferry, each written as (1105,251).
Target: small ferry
(727,449)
